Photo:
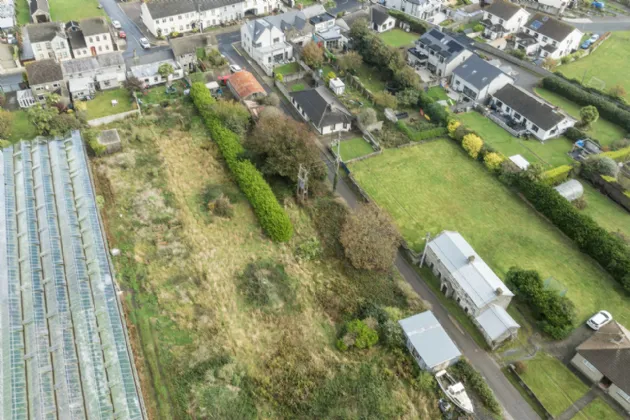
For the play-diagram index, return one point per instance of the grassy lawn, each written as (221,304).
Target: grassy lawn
(526,395)
(608,214)
(371,78)
(438,93)
(354,148)
(22,127)
(604,63)
(436,186)
(65,10)
(22,12)
(101,105)
(288,68)
(552,382)
(598,410)
(297,87)
(398,38)
(551,153)
(603,130)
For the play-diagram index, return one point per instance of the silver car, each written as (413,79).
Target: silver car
(144,43)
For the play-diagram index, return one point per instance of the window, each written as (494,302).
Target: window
(589,365)
(501,21)
(104,37)
(40,97)
(157,22)
(276,40)
(187,26)
(98,38)
(545,38)
(517,116)
(179,17)
(55,85)
(39,47)
(623,395)
(456,82)
(345,125)
(170,19)
(107,47)
(146,80)
(535,128)
(164,20)
(48,45)
(90,39)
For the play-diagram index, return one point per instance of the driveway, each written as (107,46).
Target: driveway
(345,6)
(564,350)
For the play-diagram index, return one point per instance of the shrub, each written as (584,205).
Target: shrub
(557,175)
(472,144)
(94,146)
(620,144)
(222,207)
(566,59)
(474,379)
(601,165)
(429,133)
(478,28)
(265,283)
(588,114)
(408,97)
(520,54)
(415,25)
(367,116)
(437,113)
(580,203)
(520,367)
(574,134)
(620,155)
(310,249)
(452,126)
(357,334)
(271,215)
(493,161)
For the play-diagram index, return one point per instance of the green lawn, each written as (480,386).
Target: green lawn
(552,153)
(436,186)
(288,68)
(22,12)
(398,38)
(297,87)
(22,128)
(603,130)
(354,148)
(552,382)
(371,78)
(438,93)
(608,214)
(598,410)
(65,10)
(101,105)
(605,63)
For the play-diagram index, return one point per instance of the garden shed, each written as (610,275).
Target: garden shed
(111,140)
(571,190)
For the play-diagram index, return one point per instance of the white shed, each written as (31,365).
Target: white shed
(520,161)
(337,86)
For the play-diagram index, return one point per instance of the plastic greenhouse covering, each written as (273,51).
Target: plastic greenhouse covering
(571,189)
(63,345)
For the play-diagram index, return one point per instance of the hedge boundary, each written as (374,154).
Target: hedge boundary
(430,133)
(271,216)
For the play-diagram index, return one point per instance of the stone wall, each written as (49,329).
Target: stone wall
(111,118)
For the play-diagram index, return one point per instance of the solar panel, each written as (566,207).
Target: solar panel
(535,25)
(437,34)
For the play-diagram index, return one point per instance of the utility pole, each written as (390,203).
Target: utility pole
(337,162)
(302,184)
(424,253)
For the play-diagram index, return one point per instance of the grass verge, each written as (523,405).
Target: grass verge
(101,105)
(598,409)
(398,38)
(354,148)
(22,128)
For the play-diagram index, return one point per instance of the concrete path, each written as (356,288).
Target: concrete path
(577,406)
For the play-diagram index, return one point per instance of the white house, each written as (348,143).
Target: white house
(553,7)
(465,277)
(48,40)
(429,342)
(438,52)
(45,77)
(502,18)
(146,67)
(107,71)
(420,9)
(98,36)
(477,79)
(322,110)
(526,114)
(265,44)
(548,37)
(380,20)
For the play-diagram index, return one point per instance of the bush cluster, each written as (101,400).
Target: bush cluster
(272,217)
(430,133)
(606,108)
(557,175)
(621,155)
(611,94)
(357,334)
(474,379)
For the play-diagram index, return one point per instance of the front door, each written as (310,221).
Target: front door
(93,50)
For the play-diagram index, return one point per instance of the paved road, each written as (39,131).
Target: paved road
(601,25)
(344,6)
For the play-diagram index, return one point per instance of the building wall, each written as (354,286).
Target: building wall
(450,66)
(57,49)
(81,52)
(421,11)
(620,396)
(329,129)
(42,90)
(99,44)
(508,334)
(272,37)
(513,24)
(390,23)
(587,369)
(156,79)
(564,47)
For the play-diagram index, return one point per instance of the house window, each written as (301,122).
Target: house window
(623,395)
(40,97)
(98,38)
(55,85)
(517,116)
(170,19)
(156,78)
(100,48)
(545,38)
(456,82)
(535,128)
(589,365)
(107,47)
(146,80)
(90,39)
(157,22)
(501,21)
(179,17)
(48,45)
(104,37)
(276,40)
(345,125)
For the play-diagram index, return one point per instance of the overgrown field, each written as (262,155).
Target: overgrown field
(436,186)
(225,323)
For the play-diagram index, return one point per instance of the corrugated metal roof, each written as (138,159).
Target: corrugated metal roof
(495,321)
(429,339)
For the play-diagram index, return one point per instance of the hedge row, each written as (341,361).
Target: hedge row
(474,379)
(606,108)
(431,133)
(605,248)
(415,25)
(557,175)
(621,155)
(619,101)
(272,217)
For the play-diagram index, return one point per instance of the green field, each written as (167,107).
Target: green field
(438,93)
(101,105)
(371,78)
(436,186)
(288,68)
(354,148)
(22,12)
(552,382)
(552,153)
(65,10)
(598,410)
(608,214)
(398,38)
(22,128)
(298,87)
(603,130)
(605,63)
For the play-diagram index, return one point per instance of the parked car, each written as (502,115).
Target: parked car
(116,24)
(586,44)
(600,319)
(593,38)
(122,34)
(235,68)
(144,43)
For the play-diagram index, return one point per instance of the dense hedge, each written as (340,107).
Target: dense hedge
(606,108)
(415,25)
(605,248)
(619,101)
(271,215)
(431,133)
(557,175)
(474,379)
(621,155)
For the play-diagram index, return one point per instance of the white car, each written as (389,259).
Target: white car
(234,68)
(593,38)
(144,43)
(600,319)
(116,24)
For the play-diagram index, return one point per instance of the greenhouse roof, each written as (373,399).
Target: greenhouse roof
(63,344)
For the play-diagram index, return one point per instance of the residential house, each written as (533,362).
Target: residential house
(380,20)
(604,358)
(245,87)
(429,343)
(477,79)
(81,88)
(107,71)
(438,52)
(553,7)
(146,67)
(524,113)
(45,77)
(419,9)
(7,15)
(98,35)
(327,32)
(322,21)
(322,110)
(40,11)
(185,48)
(465,277)
(548,37)
(502,18)
(48,41)
(78,44)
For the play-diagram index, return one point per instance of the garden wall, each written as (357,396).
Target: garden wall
(529,391)
(111,118)
(615,191)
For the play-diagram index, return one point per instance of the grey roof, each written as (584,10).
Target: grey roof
(80,65)
(548,26)
(26,49)
(44,32)
(82,83)
(473,275)
(76,39)
(43,71)
(495,321)
(442,44)
(214,4)
(429,339)
(536,111)
(152,57)
(319,110)
(165,8)
(503,9)
(323,17)
(189,44)
(57,287)
(42,5)
(94,26)
(110,59)
(477,71)
(379,15)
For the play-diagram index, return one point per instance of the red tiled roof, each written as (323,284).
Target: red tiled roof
(245,84)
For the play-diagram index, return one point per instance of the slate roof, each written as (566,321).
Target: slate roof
(94,26)
(495,321)
(44,71)
(36,5)
(550,27)
(320,111)
(165,8)
(539,113)
(189,44)
(110,59)
(323,17)
(609,351)
(429,338)
(442,44)
(82,83)
(379,15)
(477,71)
(80,65)
(44,32)
(503,9)
(152,57)
(245,84)
(477,280)
(77,40)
